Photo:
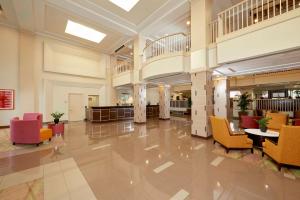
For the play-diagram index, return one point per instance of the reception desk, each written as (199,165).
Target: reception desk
(117,113)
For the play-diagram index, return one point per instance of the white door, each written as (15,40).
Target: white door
(76,107)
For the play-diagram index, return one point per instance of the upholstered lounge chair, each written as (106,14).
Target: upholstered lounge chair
(287,150)
(277,120)
(29,130)
(223,135)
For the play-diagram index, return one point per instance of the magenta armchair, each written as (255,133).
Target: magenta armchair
(249,121)
(29,130)
(24,131)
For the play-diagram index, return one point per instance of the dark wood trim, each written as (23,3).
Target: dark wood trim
(140,123)
(4,127)
(228,149)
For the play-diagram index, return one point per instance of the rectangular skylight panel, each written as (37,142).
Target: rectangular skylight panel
(125,4)
(84,32)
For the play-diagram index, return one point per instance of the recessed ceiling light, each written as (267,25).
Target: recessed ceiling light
(125,4)
(84,32)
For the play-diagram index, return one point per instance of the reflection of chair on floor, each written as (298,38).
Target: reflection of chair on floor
(287,151)
(29,130)
(223,135)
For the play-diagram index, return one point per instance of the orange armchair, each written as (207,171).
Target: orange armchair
(277,120)
(287,151)
(223,135)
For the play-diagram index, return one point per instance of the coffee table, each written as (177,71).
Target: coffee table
(258,136)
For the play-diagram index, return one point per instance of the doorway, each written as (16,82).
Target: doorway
(76,107)
(93,100)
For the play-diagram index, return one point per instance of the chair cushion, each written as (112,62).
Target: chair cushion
(45,134)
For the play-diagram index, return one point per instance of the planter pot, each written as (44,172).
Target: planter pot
(56,121)
(263,129)
(241,113)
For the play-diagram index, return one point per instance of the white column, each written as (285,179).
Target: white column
(139,88)
(139,102)
(164,102)
(221,97)
(201,76)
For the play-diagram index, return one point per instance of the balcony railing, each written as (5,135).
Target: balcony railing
(249,12)
(283,105)
(123,66)
(214,32)
(170,44)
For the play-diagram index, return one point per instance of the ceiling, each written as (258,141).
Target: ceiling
(151,18)
(274,62)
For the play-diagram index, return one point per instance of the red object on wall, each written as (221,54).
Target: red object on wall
(7,99)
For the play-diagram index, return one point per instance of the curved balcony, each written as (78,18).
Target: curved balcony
(167,55)
(123,73)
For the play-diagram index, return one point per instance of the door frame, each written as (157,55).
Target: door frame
(74,93)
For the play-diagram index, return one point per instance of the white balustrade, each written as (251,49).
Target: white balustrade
(248,13)
(283,105)
(123,66)
(175,43)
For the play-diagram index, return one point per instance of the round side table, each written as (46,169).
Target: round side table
(57,128)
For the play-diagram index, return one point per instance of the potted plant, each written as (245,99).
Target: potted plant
(263,124)
(244,102)
(57,116)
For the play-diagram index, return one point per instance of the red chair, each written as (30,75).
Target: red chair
(249,121)
(297,122)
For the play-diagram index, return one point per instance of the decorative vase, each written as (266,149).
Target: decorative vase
(263,129)
(56,121)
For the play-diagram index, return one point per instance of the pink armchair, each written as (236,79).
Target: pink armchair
(24,131)
(29,130)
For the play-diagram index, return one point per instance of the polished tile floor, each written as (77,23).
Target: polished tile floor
(123,160)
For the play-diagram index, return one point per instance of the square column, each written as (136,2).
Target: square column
(222,97)
(164,102)
(202,103)
(139,102)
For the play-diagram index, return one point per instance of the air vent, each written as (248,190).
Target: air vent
(116,51)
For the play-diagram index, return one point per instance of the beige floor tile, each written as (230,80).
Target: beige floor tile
(22,177)
(52,169)
(84,192)
(55,187)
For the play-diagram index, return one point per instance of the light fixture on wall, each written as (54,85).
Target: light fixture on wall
(84,32)
(125,4)
(188,23)
(255,20)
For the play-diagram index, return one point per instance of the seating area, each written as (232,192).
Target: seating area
(280,141)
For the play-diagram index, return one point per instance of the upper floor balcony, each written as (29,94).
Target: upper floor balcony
(172,50)
(123,73)
(254,28)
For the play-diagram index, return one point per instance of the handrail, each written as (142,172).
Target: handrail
(284,105)
(178,42)
(123,66)
(250,12)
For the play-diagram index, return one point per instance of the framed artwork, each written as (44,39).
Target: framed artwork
(7,99)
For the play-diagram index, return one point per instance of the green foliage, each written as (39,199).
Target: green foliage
(57,115)
(244,101)
(264,122)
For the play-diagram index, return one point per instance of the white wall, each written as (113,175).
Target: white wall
(278,34)
(152,95)
(168,64)
(22,68)
(9,70)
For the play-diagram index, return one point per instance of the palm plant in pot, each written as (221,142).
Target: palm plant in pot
(56,116)
(244,102)
(263,124)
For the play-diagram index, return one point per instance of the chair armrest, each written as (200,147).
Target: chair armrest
(271,141)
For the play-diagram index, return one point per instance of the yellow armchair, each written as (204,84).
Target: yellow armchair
(277,120)
(222,134)
(287,150)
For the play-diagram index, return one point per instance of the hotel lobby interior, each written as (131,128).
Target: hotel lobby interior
(142,100)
